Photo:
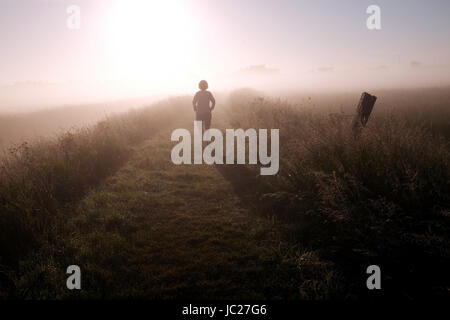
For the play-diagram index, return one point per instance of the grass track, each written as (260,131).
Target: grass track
(157,230)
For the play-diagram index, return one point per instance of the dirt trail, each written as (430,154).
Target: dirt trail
(157,230)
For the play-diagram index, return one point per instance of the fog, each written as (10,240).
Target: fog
(55,54)
(30,96)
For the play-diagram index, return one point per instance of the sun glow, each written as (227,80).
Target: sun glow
(151,42)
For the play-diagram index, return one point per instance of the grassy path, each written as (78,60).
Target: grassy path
(157,230)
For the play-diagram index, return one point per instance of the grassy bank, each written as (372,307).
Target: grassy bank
(40,182)
(381,199)
(109,199)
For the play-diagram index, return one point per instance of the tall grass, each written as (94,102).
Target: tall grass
(381,199)
(40,181)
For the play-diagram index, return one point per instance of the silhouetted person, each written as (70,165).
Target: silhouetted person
(203,103)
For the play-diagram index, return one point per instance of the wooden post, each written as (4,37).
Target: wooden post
(363,111)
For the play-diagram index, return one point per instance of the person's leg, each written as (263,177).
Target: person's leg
(207,121)
(200,126)
(205,126)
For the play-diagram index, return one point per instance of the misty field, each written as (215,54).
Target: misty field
(108,198)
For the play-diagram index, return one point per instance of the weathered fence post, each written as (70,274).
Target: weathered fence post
(363,111)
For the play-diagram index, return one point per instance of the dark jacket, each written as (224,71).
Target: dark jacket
(201,102)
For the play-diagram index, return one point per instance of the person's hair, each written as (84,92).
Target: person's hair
(203,85)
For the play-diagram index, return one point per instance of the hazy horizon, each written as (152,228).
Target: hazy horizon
(134,49)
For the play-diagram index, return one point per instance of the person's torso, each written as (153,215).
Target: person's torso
(203,99)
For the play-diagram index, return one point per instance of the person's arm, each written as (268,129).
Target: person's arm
(194,102)
(213,101)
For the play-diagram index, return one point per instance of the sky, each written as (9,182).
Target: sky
(129,48)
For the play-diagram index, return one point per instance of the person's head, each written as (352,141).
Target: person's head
(203,85)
